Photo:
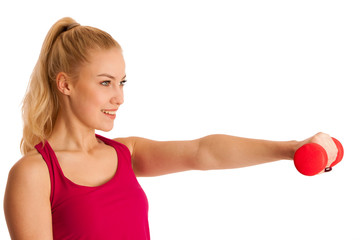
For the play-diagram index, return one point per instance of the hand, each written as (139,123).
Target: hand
(327,143)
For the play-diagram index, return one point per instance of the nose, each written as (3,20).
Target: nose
(118,98)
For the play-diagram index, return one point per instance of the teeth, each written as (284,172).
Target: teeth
(109,112)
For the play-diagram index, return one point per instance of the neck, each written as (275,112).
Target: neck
(71,135)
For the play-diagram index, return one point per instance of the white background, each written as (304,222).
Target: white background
(277,70)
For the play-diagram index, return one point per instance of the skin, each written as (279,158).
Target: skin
(87,161)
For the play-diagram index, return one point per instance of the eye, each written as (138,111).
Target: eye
(122,83)
(105,83)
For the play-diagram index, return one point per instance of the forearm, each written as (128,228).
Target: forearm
(224,151)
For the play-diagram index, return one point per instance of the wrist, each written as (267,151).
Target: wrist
(291,148)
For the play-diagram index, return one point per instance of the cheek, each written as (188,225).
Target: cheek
(87,103)
(87,108)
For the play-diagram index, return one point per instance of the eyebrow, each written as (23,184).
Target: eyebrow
(109,76)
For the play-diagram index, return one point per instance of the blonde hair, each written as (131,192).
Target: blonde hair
(65,48)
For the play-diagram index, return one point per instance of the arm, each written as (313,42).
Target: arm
(225,152)
(27,200)
(153,158)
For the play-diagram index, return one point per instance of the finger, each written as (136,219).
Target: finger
(331,151)
(329,145)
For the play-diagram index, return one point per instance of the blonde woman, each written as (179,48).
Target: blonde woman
(74,184)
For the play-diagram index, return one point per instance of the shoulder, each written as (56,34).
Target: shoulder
(129,142)
(31,163)
(27,197)
(30,171)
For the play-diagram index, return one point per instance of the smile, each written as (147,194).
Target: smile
(109,112)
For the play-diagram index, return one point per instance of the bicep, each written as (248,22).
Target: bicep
(27,202)
(154,158)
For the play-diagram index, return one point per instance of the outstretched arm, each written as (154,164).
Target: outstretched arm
(153,158)
(224,152)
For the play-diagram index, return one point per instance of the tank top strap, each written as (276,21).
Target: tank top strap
(121,148)
(46,154)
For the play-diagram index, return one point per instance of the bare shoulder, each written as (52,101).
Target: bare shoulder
(30,171)
(128,142)
(31,163)
(27,197)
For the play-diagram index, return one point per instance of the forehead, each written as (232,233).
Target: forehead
(109,61)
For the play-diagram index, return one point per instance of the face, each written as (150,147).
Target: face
(97,93)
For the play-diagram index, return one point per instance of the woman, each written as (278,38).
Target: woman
(74,184)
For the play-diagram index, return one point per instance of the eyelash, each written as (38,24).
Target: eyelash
(122,83)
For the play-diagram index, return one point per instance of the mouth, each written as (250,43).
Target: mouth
(111,114)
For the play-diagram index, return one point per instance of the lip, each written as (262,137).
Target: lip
(110,116)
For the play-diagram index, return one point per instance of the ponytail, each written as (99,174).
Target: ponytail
(65,47)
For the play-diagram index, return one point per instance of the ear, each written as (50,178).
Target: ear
(62,83)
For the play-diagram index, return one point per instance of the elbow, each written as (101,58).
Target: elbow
(204,159)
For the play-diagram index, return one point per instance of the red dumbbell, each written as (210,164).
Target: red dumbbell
(311,158)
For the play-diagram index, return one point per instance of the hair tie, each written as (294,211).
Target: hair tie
(72,26)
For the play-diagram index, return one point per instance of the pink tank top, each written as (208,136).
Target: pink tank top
(118,209)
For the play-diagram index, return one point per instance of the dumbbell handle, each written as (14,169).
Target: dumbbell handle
(311,158)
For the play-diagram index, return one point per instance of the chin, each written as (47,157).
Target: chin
(105,129)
